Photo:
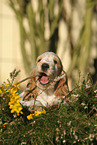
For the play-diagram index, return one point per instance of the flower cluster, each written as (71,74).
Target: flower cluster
(37,112)
(14,103)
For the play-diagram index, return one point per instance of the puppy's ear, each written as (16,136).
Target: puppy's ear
(61,88)
(31,88)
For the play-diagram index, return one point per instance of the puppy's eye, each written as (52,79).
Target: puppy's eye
(39,60)
(55,62)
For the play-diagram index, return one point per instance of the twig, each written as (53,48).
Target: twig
(25,80)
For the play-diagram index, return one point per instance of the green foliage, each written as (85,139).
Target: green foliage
(74,123)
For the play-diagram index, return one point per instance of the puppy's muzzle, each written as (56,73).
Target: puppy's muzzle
(45,67)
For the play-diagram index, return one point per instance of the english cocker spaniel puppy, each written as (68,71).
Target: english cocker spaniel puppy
(48,83)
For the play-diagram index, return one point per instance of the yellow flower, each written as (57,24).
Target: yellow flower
(15,106)
(3,126)
(1,130)
(14,103)
(39,112)
(12,91)
(6,85)
(17,85)
(29,117)
(0,91)
(21,112)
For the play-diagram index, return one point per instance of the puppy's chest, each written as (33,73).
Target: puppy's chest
(47,98)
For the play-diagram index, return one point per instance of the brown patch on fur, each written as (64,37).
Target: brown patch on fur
(62,88)
(33,90)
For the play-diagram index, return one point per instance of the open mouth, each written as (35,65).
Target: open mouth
(44,79)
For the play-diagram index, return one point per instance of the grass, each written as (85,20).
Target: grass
(75,123)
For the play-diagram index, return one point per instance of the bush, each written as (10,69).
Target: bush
(75,123)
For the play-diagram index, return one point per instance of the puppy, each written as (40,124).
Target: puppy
(48,83)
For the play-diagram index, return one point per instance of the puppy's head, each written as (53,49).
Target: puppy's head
(48,66)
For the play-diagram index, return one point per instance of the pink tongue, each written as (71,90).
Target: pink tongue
(44,80)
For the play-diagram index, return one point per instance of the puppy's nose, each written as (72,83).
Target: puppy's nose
(45,66)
